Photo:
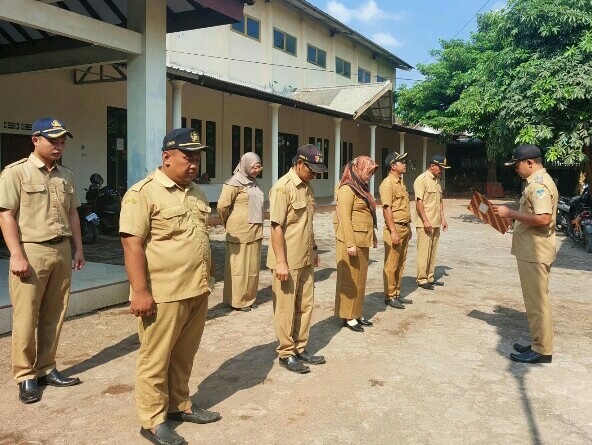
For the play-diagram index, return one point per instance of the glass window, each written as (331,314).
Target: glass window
(248,138)
(259,145)
(381,79)
(196,125)
(316,56)
(284,41)
(342,67)
(248,26)
(363,75)
(236,142)
(211,141)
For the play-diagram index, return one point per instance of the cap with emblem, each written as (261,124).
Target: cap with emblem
(312,156)
(440,161)
(394,157)
(523,152)
(49,128)
(185,139)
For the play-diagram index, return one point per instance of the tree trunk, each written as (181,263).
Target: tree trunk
(491,170)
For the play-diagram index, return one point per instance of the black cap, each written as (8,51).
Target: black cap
(49,128)
(522,152)
(312,156)
(394,157)
(185,139)
(440,161)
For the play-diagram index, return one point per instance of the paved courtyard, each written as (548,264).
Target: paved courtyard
(435,373)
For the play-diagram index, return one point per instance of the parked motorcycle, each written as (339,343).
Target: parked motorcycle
(105,202)
(575,217)
(88,224)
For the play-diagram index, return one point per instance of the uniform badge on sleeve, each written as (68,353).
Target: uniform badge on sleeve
(540,193)
(538,179)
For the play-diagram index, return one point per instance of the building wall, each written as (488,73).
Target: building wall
(230,55)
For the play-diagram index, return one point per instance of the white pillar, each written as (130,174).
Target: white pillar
(425,153)
(337,155)
(274,142)
(372,154)
(146,89)
(401,142)
(177,102)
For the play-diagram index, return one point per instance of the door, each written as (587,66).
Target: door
(14,147)
(117,148)
(287,146)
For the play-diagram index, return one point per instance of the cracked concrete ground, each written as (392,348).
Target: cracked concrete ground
(435,373)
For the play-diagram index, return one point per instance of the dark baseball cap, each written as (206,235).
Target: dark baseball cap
(185,139)
(312,156)
(440,161)
(522,152)
(49,128)
(394,157)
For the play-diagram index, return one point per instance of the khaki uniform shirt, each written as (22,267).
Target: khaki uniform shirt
(41,199)
(394,194)
(291,205)
(530,243)
(233,210)
(353,220)
(427,188)
(172,221)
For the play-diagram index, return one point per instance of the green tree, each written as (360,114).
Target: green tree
(525,76)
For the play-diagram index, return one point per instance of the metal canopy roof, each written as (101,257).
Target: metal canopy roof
(17,40)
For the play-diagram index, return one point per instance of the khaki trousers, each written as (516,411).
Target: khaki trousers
(394,261)
(293,301)
(427,248)
(39,305)
(241,273)
(168,343)
(534,279)
(351,281)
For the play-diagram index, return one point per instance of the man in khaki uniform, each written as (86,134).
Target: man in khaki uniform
(292,257)
(163,228)
(38,216)
(429,219)
(397,229)
(533,244)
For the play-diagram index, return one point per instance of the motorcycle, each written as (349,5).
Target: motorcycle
(575,217)
(105,202)
(88,224)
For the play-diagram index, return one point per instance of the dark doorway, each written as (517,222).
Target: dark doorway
(117,148)
(14,148)
(287,146)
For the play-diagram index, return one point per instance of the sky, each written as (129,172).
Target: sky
(409,28)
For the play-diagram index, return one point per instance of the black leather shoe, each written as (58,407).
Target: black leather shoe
(364,322)
(198,415)
(55,378)
(531,357)
(427,286)
(164,435)
(29,391)
(305,357)
(521,348)
(404,300)
(437,283)
(393,302)
(294,364)
(242,309)
(357,327)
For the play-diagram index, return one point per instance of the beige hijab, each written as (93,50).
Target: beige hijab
(241,178)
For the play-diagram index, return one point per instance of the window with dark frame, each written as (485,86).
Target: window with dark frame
(363,75)
(381,79)
(343,67)
(347,153)
(211,142)
(196,125)
(316,56)
(323,145)
(248,26)
(385,169)
(284,41)
(259,147)
(248,139)
(236,146)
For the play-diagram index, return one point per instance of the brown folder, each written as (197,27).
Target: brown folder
(481,207)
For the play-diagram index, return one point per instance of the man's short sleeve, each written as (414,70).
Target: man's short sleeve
(541,199)
(386,194)
(75,201)
(135,215)
(10,190)
(278,206)
(419,188)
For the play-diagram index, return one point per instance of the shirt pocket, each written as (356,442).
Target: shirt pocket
(64,192)
(33,195)
(299,208)
(172,222)
(360,228)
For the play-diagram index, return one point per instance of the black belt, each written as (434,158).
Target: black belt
(56,240)
(403,224)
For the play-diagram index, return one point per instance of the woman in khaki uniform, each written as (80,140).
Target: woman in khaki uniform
(240,208)
(354,221)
